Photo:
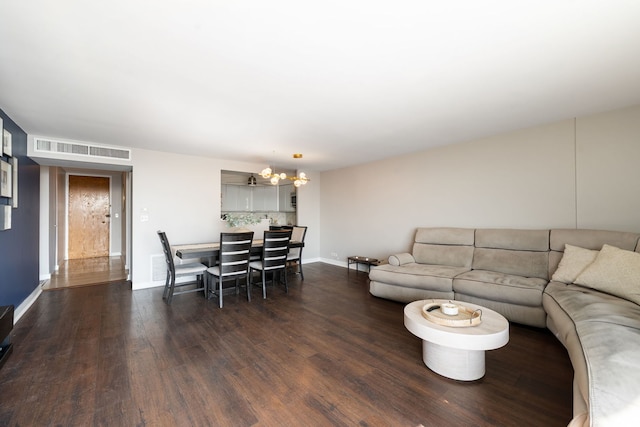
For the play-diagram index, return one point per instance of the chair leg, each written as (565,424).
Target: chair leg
(300,268)
(264,284)
(202,282)
(248,288)
(166,286)
(220,291)
(286,286)
(171,287)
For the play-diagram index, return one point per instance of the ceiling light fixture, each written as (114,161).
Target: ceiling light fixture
(270,174)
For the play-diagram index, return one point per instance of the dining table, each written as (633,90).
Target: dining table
(212,250)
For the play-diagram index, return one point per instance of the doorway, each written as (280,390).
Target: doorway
(88,232)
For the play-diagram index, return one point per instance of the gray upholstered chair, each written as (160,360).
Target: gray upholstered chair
(192,269)
(233,263)
(274,257)
(294,257)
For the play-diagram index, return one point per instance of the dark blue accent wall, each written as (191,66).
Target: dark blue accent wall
(19,265)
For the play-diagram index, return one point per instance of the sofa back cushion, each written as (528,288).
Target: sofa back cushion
(444,246)
(518,252)
(588,239)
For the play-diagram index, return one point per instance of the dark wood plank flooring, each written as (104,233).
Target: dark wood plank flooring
(326,354)
(87,272)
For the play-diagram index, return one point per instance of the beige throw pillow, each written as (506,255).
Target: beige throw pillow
(573,262)
(614,271)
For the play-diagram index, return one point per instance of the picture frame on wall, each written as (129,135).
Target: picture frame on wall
(14,196)
(5,217)
(6,176)
(6,142)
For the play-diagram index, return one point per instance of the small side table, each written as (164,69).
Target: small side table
(357,260)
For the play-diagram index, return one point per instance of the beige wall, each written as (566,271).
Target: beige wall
(544,177)
(608,158)
(308,213)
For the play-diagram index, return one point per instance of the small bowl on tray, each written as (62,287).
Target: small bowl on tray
(451,314)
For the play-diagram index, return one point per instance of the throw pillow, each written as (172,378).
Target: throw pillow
(573,262)
(614,271)
(401,259)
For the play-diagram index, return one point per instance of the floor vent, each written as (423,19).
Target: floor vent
(43,145)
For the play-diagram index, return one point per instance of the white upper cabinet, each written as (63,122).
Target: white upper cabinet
(265,198)
(287,198)
(242,198)
(236,198)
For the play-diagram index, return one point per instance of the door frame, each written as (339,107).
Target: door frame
(66,209)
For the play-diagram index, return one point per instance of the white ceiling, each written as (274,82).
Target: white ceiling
(343,82)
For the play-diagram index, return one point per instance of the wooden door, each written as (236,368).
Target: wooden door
(88,216)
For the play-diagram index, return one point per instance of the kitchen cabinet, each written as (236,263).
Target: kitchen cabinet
(265,199)
(236,198)
(286,198)
(242,198)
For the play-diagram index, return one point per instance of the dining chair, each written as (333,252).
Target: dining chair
(274,258)
(294,257)
(233,263)
(192,269)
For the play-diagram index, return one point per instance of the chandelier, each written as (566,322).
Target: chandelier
(274,177)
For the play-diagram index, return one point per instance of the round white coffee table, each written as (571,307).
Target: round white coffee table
(456,353)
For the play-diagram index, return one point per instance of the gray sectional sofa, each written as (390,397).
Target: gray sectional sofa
(588,297)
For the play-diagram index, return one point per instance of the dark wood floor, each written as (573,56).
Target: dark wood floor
(328,353)
(87,272)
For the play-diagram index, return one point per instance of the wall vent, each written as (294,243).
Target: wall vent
(80,149)
(158,268)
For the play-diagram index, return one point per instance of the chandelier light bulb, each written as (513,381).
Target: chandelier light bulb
(266,173)
(274,177)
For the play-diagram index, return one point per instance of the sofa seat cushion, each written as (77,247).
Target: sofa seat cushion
(608,329)
(501,287)
(415,275)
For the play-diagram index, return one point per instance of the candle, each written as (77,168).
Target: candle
(449,309)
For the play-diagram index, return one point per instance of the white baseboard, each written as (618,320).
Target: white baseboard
(44,277)
(145,285)
(342,264)
(27,303)
(157,283)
